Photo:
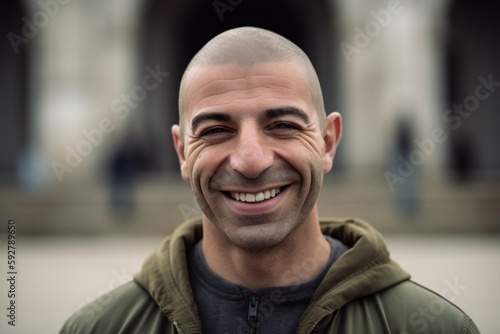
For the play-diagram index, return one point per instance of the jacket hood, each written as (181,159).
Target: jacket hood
(164,275)
(365,268)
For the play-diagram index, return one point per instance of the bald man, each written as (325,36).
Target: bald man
(254,142)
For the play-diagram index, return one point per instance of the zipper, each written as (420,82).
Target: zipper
(253,312)
(176,326)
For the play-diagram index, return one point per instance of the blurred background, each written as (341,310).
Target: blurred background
(88,171)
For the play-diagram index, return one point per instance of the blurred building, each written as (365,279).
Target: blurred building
(69,64)
(82,79)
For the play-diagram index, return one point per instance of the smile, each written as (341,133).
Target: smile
(255,197)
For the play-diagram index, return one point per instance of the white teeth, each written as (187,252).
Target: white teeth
(255,197)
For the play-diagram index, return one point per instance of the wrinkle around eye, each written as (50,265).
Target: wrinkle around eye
(312,142)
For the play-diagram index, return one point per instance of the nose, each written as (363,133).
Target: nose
(252,154)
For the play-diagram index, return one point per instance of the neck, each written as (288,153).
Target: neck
(297,259)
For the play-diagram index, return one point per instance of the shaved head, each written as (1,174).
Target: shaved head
(245,47)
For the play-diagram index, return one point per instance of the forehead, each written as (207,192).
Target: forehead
(232,86)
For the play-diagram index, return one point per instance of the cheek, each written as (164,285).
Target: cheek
(204,163)
(305,153)
(314,144)
(308,161)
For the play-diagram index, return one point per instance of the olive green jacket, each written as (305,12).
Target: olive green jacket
(363,292)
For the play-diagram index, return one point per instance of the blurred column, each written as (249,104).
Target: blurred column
(395,65)
(84,58)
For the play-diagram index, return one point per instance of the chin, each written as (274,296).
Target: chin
(257,237)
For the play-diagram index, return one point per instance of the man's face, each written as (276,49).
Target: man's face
(254,150)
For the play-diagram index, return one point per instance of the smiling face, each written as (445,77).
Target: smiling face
(254,150)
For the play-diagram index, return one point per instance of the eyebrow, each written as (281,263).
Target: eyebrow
(209,116)
(267,114)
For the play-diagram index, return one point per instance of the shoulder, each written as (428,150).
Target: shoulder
(127,309)
(408,307)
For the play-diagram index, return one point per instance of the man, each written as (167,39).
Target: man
(254,142)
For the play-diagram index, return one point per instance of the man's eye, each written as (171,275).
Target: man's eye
(283,126)
(213,131)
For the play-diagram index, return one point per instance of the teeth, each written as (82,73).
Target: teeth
(259,197)
(255,197)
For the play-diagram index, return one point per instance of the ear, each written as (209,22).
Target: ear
(179,148)
(331,135)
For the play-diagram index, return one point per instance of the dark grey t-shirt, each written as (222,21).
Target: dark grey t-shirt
(225,308)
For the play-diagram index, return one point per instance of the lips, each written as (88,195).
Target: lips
(255,197)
